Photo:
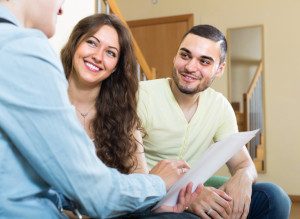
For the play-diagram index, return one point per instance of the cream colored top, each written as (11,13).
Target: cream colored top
(169,135)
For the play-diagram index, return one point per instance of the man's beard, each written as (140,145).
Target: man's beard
(187,90)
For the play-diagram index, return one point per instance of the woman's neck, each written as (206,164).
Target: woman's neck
(84,99)
(82,96)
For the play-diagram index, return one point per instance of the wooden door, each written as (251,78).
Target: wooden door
(159,38)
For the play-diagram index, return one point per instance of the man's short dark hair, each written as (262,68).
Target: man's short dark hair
(212,33)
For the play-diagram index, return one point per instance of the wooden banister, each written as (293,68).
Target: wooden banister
(248,94)
(253,118)
(255,79)
(139,55)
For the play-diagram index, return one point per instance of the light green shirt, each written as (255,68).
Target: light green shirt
(169,135)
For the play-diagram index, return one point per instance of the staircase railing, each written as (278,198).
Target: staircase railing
(144,71)
(254,117)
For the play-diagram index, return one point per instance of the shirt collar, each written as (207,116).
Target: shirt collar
(7,14)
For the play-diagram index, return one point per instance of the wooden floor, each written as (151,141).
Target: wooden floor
(295,212)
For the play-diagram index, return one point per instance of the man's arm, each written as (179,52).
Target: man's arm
(241,167)
(42,126)
(239,186)
(242,163)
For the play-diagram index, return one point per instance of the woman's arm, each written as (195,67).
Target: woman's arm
(140,155)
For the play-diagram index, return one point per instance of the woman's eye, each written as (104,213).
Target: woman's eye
(91,43)
(111,53)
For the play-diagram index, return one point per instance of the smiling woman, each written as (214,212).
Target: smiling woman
(100,66)
(96,58)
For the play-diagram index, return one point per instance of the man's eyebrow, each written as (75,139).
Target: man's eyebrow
(185,50)
(201,57)
(207,57)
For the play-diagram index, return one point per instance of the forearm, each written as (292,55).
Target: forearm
(248,171)
(68,163)
(141,164)
(242,165)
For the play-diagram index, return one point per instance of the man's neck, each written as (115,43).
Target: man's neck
(187,102)
(182,98)
(16,9)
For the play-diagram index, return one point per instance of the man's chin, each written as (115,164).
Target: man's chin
(191,91)
(187,90)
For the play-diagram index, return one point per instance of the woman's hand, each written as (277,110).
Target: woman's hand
(170,170)
(185,198)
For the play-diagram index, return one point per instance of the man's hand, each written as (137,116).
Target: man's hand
(185,198)
(211,203)
(239,187)
(170,171)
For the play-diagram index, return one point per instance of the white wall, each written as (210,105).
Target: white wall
(74,10)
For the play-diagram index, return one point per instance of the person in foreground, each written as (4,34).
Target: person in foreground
(191,116)
(42,143)
(100,66)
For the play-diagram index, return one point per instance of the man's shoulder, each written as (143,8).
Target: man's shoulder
(153,84)
(19,42)
(153,87)
(214,94)
(16,34)
(215,98)
(22,40)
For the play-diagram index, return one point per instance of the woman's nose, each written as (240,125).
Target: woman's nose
(98,56)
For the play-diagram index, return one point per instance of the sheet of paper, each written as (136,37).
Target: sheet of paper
(211,160)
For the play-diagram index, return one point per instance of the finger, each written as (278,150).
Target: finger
(246,210)
(236,213)
(189,189)
(214,214)
(222,206)
(188,196)
(183,198)
(223,194)
(182,164)
(198,190)
(196,193)
(182,171)
(241,208)
(182,194)
(202,214)
(220,211)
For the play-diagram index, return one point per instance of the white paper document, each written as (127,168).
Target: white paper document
(211,160)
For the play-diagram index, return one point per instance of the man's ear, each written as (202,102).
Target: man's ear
(220,69)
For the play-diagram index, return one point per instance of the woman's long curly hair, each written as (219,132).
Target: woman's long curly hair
(116,117)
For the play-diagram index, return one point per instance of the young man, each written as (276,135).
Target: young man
(42,145)
(182,116)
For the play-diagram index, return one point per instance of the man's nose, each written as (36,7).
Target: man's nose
(192,65)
